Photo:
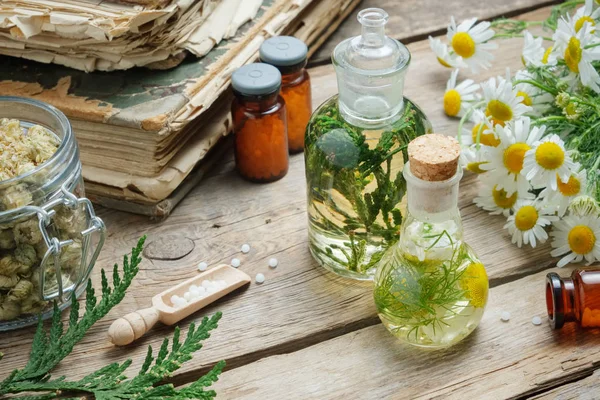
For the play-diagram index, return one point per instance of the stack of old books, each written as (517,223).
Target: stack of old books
(103,35)
(147,135)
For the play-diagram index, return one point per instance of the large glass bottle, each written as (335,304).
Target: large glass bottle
(430,288)
(355,149)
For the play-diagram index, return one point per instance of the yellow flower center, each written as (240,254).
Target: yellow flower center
(573,54)
(581,239)
(513,157)
(571,109)
(526,99)
(474,282)
(546,55)
(463,44)
(549,155)
(502,200)
(444,63)
(486,139)
(583,20)
(571,188)
(526,218)
(452,102)
(475,167)
(499,111)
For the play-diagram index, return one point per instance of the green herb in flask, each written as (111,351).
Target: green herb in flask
(430,288)
(355,149)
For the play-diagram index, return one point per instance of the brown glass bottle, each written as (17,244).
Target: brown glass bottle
(259,123)
(574,299)
(288,55)
(296,91)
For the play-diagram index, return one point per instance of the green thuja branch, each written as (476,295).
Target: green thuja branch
(109,382)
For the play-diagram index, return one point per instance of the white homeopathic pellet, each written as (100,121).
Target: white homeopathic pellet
(505,316)
(273,263)
(260,278)
(202,266)
(235,262)
(536,320)
(245,248)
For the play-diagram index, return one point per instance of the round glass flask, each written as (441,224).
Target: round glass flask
(355,150)
(430,287)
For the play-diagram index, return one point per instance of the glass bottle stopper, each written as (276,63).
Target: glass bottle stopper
(434,157)
(370,71)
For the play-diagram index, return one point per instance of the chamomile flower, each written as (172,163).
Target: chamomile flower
(586,14)
(566,192)
(470,42)
(502,102)
(506,160)
(444,56)
(546,160)
(584,205)
(539,100)
(458,97)
(533,51)
(482,132)
(471,159)
(497,201)
(572,47)
(576,238)
(527,223)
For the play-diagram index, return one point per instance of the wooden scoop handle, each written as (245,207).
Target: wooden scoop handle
(132,326)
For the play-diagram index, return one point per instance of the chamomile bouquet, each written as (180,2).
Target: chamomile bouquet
(533,136)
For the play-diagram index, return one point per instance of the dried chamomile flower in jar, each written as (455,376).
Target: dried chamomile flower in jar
(9,266)
(8,281)
(32,304)
(16,196)
(26,255)
(28,232)
(7,239)
(23,151)
(9,309)
(70,222)
(21,291)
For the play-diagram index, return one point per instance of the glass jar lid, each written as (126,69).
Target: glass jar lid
(256,79)
(283,51)
(370,71)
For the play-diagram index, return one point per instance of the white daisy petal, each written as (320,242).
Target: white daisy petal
(470,42)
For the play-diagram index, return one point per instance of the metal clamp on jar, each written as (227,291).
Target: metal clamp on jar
(50,236)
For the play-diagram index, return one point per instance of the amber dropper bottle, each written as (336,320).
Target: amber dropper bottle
(574,299)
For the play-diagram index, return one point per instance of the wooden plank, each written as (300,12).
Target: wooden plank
(584,389)
(500,360)
(412,20)
(300,304)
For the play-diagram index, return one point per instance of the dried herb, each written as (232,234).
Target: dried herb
(51,346)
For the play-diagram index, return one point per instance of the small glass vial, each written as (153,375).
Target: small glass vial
(574,299)
(288,54)
(430,287)
(259,123)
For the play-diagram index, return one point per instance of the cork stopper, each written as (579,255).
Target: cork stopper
(433,157)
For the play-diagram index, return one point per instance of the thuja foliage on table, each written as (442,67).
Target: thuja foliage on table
(342,160)
(51,346)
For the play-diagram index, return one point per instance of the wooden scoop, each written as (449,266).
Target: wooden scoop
(134,325)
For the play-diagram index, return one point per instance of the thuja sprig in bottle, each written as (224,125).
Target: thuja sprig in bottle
(430,288)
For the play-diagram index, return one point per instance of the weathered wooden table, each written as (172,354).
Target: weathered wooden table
(306,333)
